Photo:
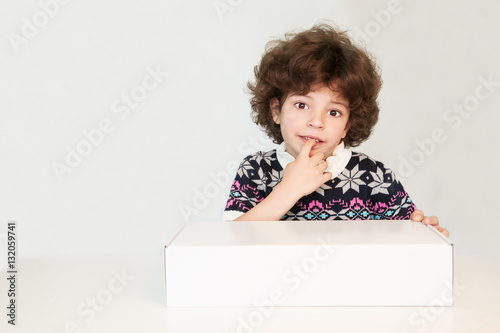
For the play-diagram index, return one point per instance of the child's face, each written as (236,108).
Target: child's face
(322,114)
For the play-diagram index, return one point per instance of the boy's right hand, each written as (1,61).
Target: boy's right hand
(300,177)
(307,173)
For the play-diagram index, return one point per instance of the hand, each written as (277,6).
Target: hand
(306,173)
(418,216)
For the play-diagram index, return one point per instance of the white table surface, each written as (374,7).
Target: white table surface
(82,294)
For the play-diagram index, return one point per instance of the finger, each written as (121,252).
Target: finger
(320,163)
(326,176)
(318,157)
(306,148)
(443,231)
(322,166)
(417,216)
(431,220)
(434,221)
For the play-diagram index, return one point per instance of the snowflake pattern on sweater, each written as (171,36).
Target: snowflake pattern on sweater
(365,189)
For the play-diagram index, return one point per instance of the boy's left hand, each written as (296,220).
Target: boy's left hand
(418,216)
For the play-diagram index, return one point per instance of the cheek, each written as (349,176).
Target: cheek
(345,128)
(345,131)
(289,125)
(291,119)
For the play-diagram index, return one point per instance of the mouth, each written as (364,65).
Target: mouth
(305,138)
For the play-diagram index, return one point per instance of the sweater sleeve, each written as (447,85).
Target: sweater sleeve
(389,199)
(247,189)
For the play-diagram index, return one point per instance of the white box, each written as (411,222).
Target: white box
(327,263)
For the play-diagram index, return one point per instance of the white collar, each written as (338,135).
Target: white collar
(336,163)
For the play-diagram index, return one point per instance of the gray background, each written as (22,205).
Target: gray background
(171,158)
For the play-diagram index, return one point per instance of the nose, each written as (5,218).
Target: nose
(316,120)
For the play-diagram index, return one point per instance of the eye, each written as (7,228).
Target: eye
(334,113)
(301,105)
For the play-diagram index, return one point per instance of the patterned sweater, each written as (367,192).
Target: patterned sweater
(365,189)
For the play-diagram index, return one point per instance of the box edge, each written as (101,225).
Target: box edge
(165,248)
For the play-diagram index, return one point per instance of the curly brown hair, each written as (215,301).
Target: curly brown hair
(320,55)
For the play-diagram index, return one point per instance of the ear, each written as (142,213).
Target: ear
(274,105)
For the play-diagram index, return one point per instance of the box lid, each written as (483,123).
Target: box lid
(366,232)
